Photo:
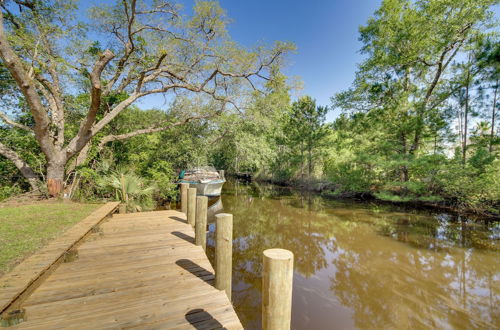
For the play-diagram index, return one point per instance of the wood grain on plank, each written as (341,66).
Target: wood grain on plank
(139,270)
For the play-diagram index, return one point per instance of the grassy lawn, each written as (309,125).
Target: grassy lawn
(26,228)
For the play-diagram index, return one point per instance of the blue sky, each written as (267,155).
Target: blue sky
(324,31)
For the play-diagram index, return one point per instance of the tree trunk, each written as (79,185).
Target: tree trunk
(404,175)
(466,117)
(493,111)
(310,163)
(302,161)
(403,169)
(435,142)
(466,113)
(79,159)
(55,177)
(460,127)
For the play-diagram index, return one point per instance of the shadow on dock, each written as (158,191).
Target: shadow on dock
(183,236)
(201,319)
(196,270)
(178,219)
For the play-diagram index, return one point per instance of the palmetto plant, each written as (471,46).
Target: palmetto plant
(130,189)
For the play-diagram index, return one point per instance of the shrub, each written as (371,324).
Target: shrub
(9,191)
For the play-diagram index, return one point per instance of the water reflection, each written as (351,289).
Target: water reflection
(364,266)
(215,206)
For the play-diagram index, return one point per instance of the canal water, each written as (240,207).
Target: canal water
(362,265)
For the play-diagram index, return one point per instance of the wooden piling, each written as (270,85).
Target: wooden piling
(277,281)
(223,252)
(122,209)
(191,206)
(201,221)
(184,195)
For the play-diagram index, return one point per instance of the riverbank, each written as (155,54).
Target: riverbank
(335,191)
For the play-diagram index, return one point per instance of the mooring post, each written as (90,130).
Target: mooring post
(201,221)
(222,175)
(277,281)
(223,252)
(184,197)
(191,206)
(122,208)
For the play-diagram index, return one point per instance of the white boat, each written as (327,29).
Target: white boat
(211,189)
(206,180)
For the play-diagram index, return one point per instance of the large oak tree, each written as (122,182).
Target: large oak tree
(118,55)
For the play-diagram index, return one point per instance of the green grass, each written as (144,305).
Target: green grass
(26,228)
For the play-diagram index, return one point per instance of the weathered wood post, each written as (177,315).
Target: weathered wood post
(184,197)
(223,252)
(277,280)
(201,221)
(122,208)
(191,206)
(222,175)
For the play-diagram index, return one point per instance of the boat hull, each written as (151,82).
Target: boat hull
(211,189)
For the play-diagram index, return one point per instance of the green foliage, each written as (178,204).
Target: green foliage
(387,196)
(129,189)
(394,138)
(423,62)
(304,133)
(9,191)
(163,176)
(249,143)
(351,176)
(29,151)
(470,187)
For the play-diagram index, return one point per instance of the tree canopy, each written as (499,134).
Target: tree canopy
(419,122)
(126,51)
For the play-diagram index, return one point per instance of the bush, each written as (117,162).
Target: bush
(387,196)
(9,191)
(471,188)
(163,176)
(130,189)
(351,178)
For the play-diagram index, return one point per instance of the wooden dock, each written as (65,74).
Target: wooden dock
(138,270)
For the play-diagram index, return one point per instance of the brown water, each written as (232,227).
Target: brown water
(360,265)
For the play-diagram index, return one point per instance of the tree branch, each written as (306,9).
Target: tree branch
(84,133)
(9,121)
(149,130)
(129,45)
(52,94)
(21,165)
(27,86)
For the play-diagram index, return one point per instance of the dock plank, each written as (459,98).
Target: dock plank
(138,271)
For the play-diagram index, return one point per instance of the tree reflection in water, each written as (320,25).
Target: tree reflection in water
(363,266)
